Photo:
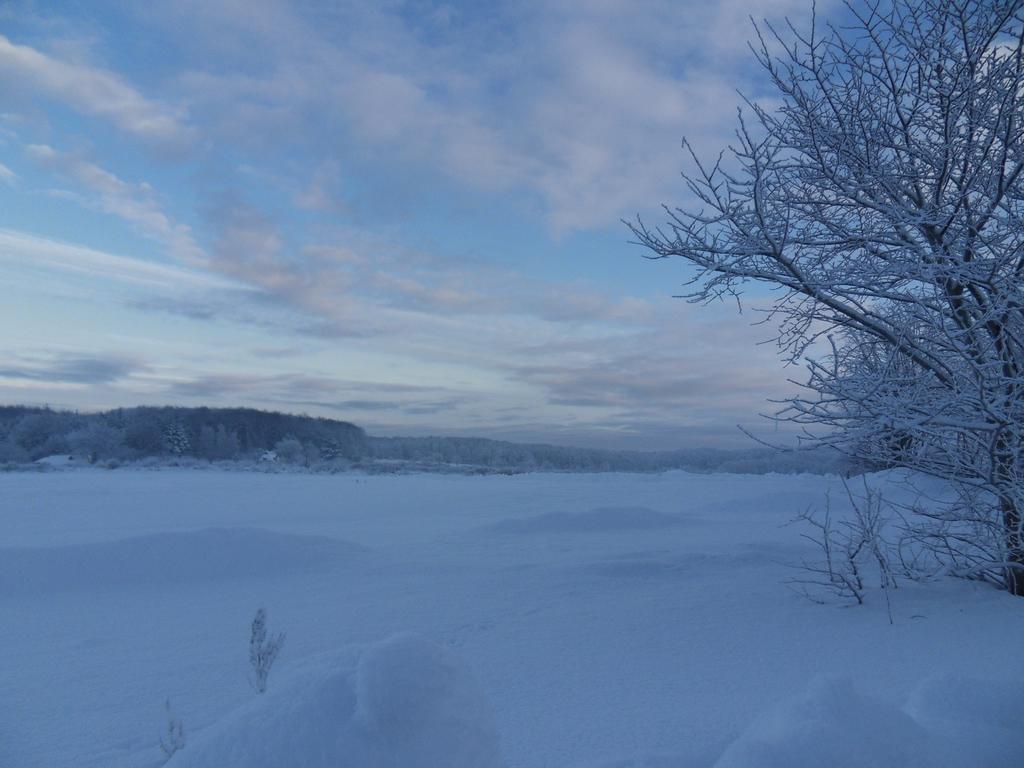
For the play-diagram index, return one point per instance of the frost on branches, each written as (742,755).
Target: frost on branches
(882,195)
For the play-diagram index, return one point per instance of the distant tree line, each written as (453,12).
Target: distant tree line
(28,434)
(501,455)
(244,434)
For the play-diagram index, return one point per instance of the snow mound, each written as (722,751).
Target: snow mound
(980,723)
(832,725)
(167,558)
(61,460)
(947,722)
(595,521)
(402,703)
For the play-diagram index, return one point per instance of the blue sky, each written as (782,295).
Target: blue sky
(404,214)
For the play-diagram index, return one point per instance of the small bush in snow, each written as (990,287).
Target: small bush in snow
(263,650)
(851,550)
(173,738)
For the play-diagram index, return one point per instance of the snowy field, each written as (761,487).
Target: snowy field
(563,620)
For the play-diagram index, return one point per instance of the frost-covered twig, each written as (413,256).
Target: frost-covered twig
(263,651)
(849,549)
(173,738)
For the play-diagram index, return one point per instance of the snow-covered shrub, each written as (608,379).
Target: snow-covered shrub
(173,738)
(263,651)
(852,550)
(290,450)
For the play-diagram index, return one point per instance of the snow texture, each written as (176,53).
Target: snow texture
(593,521)
(611,621)
(166,559)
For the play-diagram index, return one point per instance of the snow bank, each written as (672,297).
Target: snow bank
(833,725)
(167,558)
(402,703)
(61,460)
(947,722)
(595,521)
(979,723)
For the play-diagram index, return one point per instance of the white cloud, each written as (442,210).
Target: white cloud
(93,91)
(7,176)
(135,203)
(581,105)
(25,250)
(372,285)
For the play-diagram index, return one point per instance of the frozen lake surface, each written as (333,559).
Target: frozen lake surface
(608,619)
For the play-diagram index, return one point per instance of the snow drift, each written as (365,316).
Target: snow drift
(948,722)
(407,703)
(401,703)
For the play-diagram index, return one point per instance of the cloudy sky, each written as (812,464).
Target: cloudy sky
(403,214)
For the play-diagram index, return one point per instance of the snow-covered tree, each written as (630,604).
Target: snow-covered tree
(97,440)
(41,432)
(217,443)
(881,194)
(11,451)
(176,440)
(144,435)
(290,450)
